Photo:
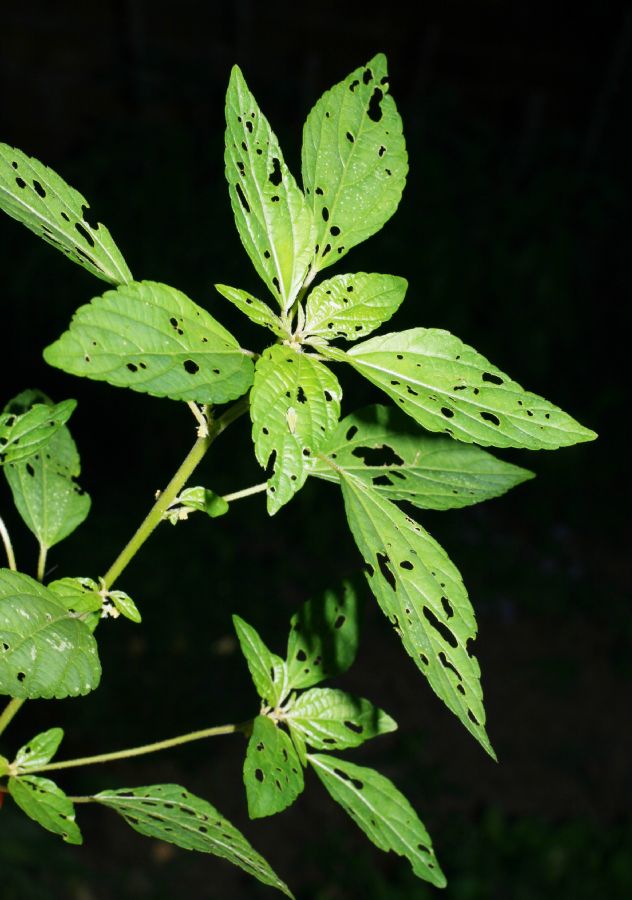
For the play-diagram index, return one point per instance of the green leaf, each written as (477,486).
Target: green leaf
(23,435)
(257,311)
(295,405)
(268,671)
(272,772)
(447,386)
(421,592)
(170,813)
(153,339)
(386,450)
(81,597)
(272,216)
(354,161)
(323,639)
(39,751)
(203,500)
(4,766)
(44,650)
(331,719)
(381,811)
(36,196)
(352,306)
(124,605)
(47,805)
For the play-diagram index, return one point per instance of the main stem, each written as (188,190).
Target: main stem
(8,546)
(8,712)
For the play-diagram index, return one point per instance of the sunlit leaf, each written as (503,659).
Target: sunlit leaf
(352,306)
(26,432)
(331,719)
(268,671)
(47,805)
(39,750)
(257,312)
(273,775)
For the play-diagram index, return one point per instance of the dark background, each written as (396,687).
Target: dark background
(511,234)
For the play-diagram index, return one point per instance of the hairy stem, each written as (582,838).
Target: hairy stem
(246,492)
(8,712)
(8,546)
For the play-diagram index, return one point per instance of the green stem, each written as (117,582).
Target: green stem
(246,492)
(41,562)
(8,546)
(9,711)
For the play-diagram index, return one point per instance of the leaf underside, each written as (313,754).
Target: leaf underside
(39,750)
(273,775)
(23,434)
(47,805)
(257,311)
(330,719)
(268,671)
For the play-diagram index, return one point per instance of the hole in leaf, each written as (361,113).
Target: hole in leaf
(377,456)
(340,621)
(242,198)
(406,564)
(84,234)
(301,397)
(39,190)
(367,76)
(447,606)
(353,726)
(387,574)
(259,775)
(334,230)
(350,137)
(493,379)
(490,417)
(325,213)
(442,629)
(190,367)
(374,111)
(354,85)
(275,175)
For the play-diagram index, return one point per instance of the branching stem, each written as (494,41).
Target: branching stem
(246,492)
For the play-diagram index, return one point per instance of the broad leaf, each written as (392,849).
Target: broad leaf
(295,405)
(169,813)
(386,450)
(44,650)
(39,751)
(354,161)
(381,811)
(273,219)
(81,597)
(352,306)
(268,671)
(23,434)
(36,196)
(421,592)
(152,338)
(273,775)
(257,312)
(323,639)
(47,805)
(447,386)
(331,719)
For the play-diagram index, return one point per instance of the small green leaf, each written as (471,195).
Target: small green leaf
(169,813)
(23,435)
(389,452)
(268,671)
(447,386)
(153,339)
(47,805)
(273,219)
(295,405)
(330,719)
(354,161)
(81,598)
(124,604)
(36,196)
(352,306)
(273,775)
(45,652)
(381,811)
(39,751)
(203,500)
(257,312)
(323,639)
(421,592)
(4,766)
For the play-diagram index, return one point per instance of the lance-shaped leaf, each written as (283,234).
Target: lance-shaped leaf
(152,338)
(257,311)
(268,671)
(354,161)
(421,592)
(273,775)
(25,433)
(39,751)
(381,811)
(124,606)
(273,219)
(36,196)
(47,805)
(323,639)
(330,719)
(352,306)
(170,813)
(45,651)
(386,450)
(295,405)
(447,386)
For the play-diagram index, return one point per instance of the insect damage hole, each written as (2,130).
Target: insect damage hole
(190,367)
(374,111)
(242,198)
(490,417)
(383,562)
(445,632)
(276,175)
(492,379)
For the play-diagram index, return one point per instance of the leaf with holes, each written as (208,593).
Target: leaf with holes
(268,671)
(352,306)
(25,433)
(36,196)
(152,338)
(81,598)
(295,405)
(354,161)
(421,592)
(47,805)
(323,639)
(257,312)
(381,811)
(386,450)
(169,813)
(330,719)
(39,751)
(447,386)
(273,219)
(273,775)
(45,652)
(124,606)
